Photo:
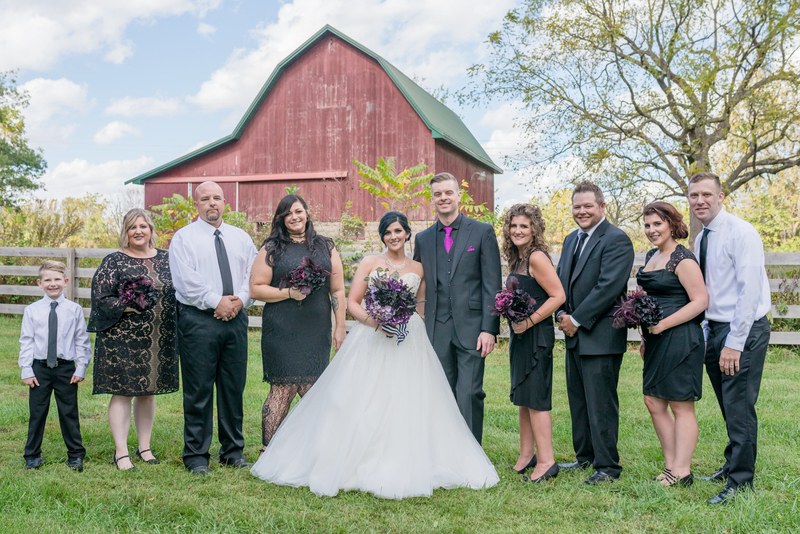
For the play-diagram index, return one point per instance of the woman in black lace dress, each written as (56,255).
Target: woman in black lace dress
(296,328)
(673,349)
(135,353)
(532,340)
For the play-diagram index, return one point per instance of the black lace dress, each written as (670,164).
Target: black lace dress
(531,354)
(673,360)
(134,354)
(296,335)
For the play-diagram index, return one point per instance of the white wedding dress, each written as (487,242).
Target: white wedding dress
(382,419)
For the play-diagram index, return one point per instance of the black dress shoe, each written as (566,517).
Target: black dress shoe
(34,463)
(75,463)
(600,477)
(241,463)
(724,496)
(570,466)
(720,476)
(152,460)
(530,465)
(200,470)
(550,473)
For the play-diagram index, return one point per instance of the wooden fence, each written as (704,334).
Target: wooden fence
(73,256)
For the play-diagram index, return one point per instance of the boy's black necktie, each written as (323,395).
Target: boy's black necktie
(52,336)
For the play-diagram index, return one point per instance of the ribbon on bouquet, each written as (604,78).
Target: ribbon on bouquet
(400,331)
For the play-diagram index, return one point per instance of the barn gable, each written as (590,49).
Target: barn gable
(442,122)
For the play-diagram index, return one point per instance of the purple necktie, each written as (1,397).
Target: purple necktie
(448,238)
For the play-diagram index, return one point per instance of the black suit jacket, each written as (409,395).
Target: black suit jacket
(475,279)
(598,282)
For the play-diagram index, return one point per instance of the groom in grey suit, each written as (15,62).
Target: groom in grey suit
(461,262)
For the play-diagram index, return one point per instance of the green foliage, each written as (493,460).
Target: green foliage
(292,189)
(773,207)
(20,165)
(400,192)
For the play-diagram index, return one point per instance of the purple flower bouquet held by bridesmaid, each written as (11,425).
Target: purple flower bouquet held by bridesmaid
(390,302)
(138,293)
(306,278)
(513,303)
(637,310)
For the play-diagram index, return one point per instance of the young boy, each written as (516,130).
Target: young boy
(54,353)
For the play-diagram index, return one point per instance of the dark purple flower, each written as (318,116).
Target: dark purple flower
(306,278)
(388,300)
(638,309)
(138,293)
(513,303)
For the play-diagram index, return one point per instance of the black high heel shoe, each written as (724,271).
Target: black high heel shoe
(139,453)
(530,465)
(116,464)
(685,482)
(662,475)
(550,473)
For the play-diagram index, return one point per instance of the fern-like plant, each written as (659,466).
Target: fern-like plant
(402,192)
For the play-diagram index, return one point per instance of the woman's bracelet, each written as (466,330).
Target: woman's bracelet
(289,292)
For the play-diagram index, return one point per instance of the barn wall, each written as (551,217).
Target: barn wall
(332,105)
(463,168)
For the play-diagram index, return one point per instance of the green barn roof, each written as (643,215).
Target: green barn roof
(440,120)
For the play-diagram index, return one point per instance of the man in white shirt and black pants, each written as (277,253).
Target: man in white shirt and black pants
(210,264)
(731,256)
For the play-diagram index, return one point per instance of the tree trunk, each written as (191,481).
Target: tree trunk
(695,227)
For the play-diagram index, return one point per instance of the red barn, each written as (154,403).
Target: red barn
(329,102)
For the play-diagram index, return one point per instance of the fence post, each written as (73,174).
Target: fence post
(72,273)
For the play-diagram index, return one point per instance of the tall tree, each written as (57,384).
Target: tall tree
(20,165)
(644,91)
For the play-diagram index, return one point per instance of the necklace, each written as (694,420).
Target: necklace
(397,267)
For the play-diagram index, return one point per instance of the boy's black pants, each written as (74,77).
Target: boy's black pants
(50,380)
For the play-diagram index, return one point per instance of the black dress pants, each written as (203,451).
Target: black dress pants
(737,396)
(54,380)
(212,352)
(464,370)
(594,409)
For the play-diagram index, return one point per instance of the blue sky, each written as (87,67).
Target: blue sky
(118,88)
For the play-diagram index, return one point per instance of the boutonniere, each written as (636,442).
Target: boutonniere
(470,249)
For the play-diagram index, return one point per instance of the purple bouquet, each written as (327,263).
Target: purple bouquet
(638,309)
(513,303)
(138,293)
(390,302)
(306,278)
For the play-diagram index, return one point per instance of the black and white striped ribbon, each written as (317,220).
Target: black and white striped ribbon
(400,331)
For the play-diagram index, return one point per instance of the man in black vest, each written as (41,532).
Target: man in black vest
(594,269)
(461,262)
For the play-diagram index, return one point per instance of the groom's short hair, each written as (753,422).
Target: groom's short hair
(589,187)
(443,176)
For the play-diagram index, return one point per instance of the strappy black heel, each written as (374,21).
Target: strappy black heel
(672,480)
(662,475)
(116,462)
(139,453)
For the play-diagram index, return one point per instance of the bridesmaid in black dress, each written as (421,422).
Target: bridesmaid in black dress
(135,353)
(295,328)
(532,340)
(673,350)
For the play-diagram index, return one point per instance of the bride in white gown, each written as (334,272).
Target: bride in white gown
(382,417)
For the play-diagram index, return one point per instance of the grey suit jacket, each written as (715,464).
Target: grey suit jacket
(475,280)
(598,282)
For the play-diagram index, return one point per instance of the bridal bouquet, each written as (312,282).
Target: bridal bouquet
(637,310)
(513,303)
(390,302)
(306,278)
(138,293)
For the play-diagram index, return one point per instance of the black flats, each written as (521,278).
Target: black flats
(550,473)
(116,462)
(530,465)
(139,453)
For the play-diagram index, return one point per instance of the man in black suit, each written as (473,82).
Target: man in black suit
(461,262)
(594,269)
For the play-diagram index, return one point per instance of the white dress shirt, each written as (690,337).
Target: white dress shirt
(590,231)
(72,341)
(195,269)
(736,280)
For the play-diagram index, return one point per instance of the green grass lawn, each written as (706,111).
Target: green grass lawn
(165,498)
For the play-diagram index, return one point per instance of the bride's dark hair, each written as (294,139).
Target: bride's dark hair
(388,219)
(279,236)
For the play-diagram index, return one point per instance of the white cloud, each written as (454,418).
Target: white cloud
(35,34)
(53,106)
(404,32)
(199,144)
(206,30)
(148,106)
(78,177)
(113,131)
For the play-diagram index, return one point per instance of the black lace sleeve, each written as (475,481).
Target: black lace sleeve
(678,255)
(106,306)
(650,255)
(329,244)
